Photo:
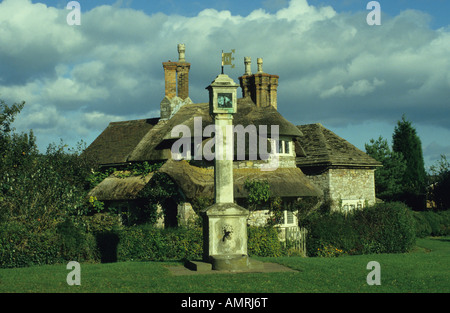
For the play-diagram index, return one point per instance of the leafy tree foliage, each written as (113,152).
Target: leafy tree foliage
(389,178)
(36,189)
(407,142)
(259,196)
(440,187)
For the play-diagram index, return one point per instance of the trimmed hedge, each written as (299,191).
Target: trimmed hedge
(263,241)
(147,243)
(429,223)
(383,228)
(21,246)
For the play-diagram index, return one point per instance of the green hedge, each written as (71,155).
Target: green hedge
(21,246)
(383,228)
(147,243)
(429,223)
(263,241)
(70,241)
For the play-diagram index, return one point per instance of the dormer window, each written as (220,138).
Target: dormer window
(284,147)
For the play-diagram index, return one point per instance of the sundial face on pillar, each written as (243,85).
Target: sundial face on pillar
(225,100)
(222,95)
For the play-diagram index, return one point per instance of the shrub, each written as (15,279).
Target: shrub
(184,243)
(328,250)
(422,226)
(147,243)
(384,228)
(75,244)
(20,247)
(429,223)
(263,241)
(330,229)
(389,227)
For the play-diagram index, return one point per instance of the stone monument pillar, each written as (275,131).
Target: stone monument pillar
(224,223)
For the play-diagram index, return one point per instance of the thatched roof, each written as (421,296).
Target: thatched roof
(118,140)
(199,182)
(323,147)
(117,188)
(151,140)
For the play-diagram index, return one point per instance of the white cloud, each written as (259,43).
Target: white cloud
(333,68)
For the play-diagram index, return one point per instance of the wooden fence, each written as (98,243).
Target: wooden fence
(295,238)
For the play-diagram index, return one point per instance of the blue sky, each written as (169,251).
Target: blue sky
(438,9)
(355,79)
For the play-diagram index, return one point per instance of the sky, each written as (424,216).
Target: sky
(335,69)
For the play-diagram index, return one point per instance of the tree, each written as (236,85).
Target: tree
(407,142)
(440,177)
(37,190)
(389,178)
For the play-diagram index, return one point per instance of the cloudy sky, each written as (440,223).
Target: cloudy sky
(335,69)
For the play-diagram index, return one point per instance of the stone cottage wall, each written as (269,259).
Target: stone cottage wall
(346,185)
(352,184)
(258,218)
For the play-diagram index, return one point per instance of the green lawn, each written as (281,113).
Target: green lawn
(425,269)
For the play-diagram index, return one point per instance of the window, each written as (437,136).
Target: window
(350,205)
(288,218)
(283,146)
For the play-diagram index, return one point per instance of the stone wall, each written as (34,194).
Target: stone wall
(346,184)
(258,218)
(283,162)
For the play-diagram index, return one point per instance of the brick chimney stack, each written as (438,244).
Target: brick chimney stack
(176,78)
(176,75)
(182,73)
(260,87)
(170,78)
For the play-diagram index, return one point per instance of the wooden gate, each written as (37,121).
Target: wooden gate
(295,238)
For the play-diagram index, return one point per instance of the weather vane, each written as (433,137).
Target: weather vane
(227,58)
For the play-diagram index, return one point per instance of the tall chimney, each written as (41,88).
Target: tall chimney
(176,78)
(176,75)
(170,79)
(260,87)
(182,73)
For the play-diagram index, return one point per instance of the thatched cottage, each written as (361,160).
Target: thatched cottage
(313,161)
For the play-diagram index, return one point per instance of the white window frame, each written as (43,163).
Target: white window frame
(286,215)
(281,146)
(349,205)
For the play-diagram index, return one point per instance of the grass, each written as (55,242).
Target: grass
(424,270)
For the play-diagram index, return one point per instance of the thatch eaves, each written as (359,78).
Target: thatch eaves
(199,182)
(114,188)
(322,147)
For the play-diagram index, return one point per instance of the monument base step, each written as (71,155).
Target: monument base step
(234,263)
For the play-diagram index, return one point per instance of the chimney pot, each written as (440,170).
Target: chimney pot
(260,65)
(181,52)
(248,63)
